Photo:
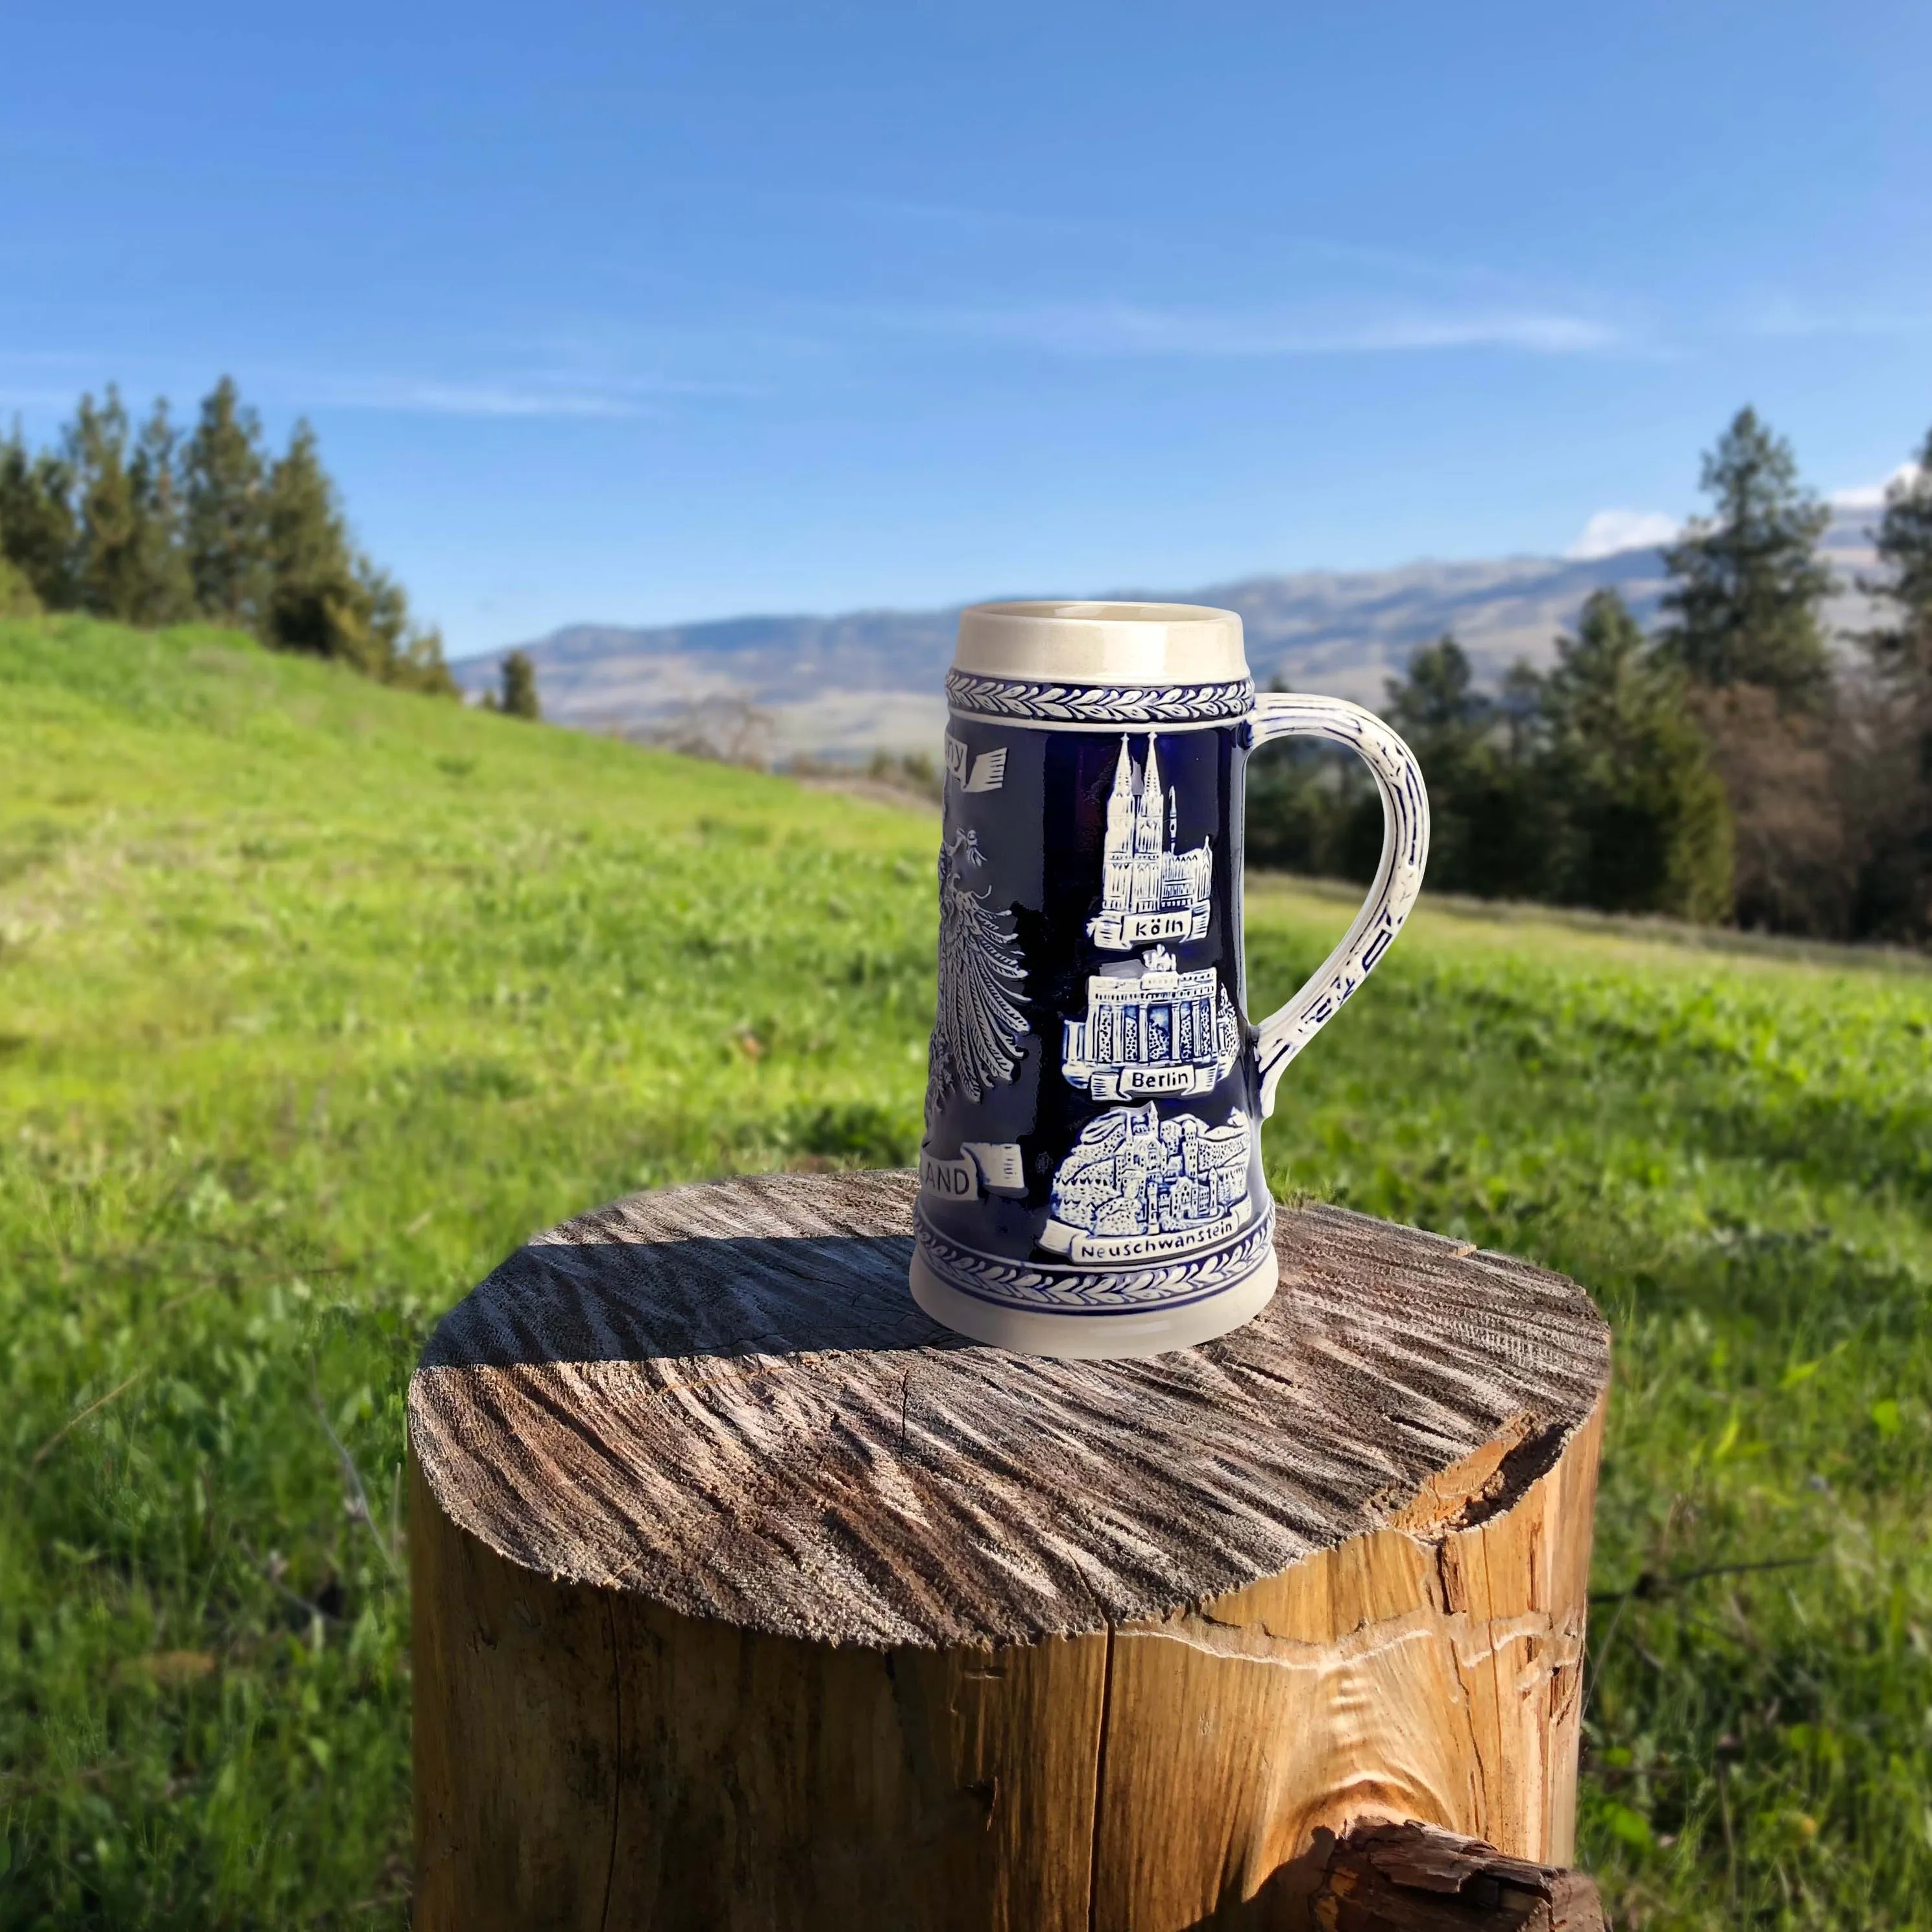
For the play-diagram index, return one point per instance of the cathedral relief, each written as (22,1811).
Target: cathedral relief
(1160,1032)
(1148,890)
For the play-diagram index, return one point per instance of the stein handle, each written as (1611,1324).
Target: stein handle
(1398,878)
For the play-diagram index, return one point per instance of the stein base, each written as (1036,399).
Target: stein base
(1095,1337)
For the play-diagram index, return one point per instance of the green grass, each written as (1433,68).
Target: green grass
(315,998)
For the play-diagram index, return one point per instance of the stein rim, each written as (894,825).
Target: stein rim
(1079,640)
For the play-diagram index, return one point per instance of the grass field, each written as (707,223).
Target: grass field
(315,998)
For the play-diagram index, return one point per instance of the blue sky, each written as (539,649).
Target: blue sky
(643,313)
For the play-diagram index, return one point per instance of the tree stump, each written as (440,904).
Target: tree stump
(748,1598)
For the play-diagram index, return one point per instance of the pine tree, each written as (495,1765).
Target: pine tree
(1438,701)
(159,589)
(1748,582)
(520,687)
(1901,652)
(36,521)
(1482,838)
(1895,891)
(96,444)
(326,597)
(1636,809)
(1521,706)
(224,482)
(128,559)
(315,604)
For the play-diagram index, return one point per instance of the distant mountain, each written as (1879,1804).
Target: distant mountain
(840,687)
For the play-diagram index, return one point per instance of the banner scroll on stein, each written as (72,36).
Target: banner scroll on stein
(1091,1179)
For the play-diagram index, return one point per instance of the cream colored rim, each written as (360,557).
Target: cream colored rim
(1102,643)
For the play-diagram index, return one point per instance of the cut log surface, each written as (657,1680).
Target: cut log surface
(723,1398)
(746,1596)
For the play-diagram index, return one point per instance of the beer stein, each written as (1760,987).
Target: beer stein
(1091,1178)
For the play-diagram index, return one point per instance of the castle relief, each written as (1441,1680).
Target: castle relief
(1136,1187)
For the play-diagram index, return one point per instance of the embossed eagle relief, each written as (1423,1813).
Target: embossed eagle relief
(976,1037)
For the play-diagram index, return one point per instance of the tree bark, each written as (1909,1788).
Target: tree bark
(1416,1878)
(747,1598)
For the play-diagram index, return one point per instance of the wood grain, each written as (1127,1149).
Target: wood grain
(746,1597)
(1394,1676)
(723,1398)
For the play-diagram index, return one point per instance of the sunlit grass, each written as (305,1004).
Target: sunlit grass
(315,999)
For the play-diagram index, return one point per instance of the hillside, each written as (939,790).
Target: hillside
(315,998)
(839,686)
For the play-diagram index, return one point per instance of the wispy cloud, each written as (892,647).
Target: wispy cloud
(545,381)
(1113,329)
(1444,274)
(576,393)
(1610,531)
(408,396)
(1784,317)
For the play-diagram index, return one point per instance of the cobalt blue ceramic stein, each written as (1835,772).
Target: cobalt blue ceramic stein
(1090,1180)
